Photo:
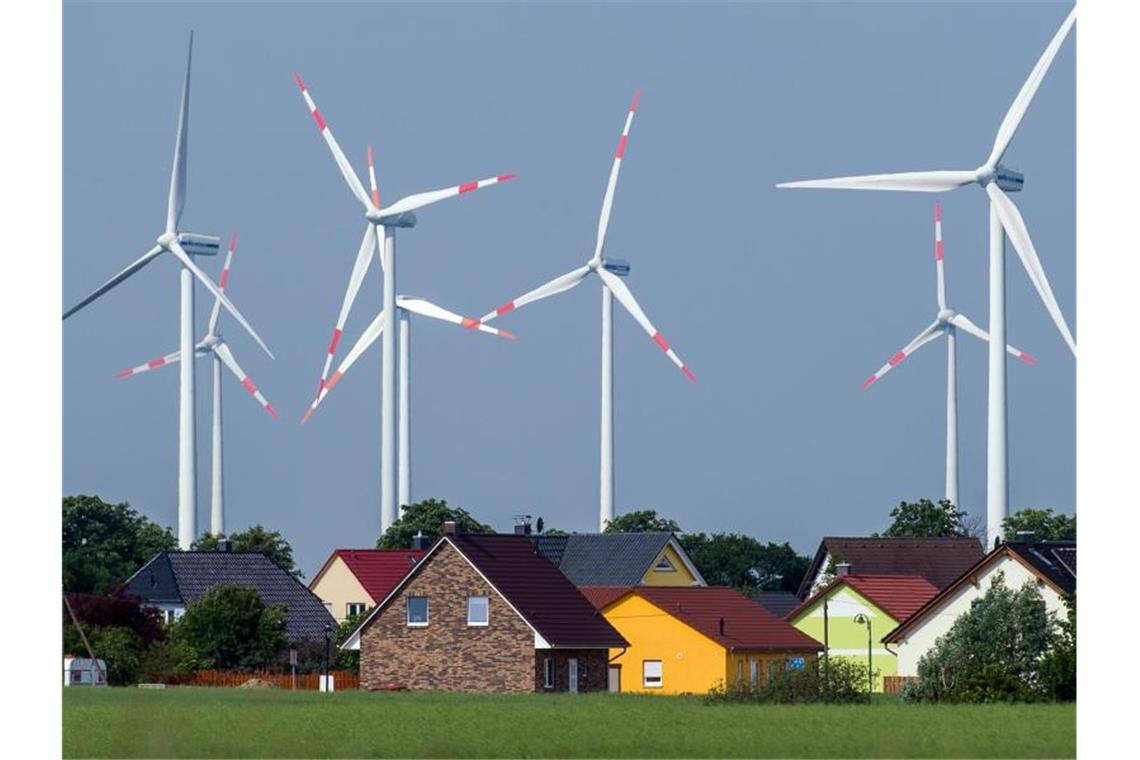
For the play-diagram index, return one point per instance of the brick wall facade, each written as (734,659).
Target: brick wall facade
(592,668)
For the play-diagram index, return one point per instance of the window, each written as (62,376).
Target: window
(651,674)
(548,673)
(795,663)
(417,611)
(353,608)
(328,606)
(477,610)
(664,565)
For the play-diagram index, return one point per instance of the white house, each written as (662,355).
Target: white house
(1052,565)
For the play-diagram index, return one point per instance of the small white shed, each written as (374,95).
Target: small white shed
(81,671)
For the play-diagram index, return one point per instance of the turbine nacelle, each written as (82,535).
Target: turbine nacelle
(191,242)
(1007,179)
(620,267)
(945,315)
(407,219)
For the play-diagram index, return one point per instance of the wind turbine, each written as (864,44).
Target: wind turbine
(385,219)
(405,305)
(213,343)
(181,245)
(947,322)
(1005,219)
(610,271)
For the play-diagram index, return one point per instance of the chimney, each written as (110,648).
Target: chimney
(522,525)
(842,569)
(420,541)
(223,545)
(450,528)
(1025,537)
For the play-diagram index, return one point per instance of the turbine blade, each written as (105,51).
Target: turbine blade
(176,200)
(187,262)
(1019,235)
(932,331)
(914,182)
(338,155)
(611,185)
(626,299)
(223,353)
(135,266)
(161,361)
(359,269)
(557,285)
(1024,97)
(223,280)
(938,255)
(419,200)
(366,339)
(963,322)
(372,179)
(428,309)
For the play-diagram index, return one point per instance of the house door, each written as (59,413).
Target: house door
(572,664)
(615,678)
(753,672)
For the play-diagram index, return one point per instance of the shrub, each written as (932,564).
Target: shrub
(842,681)
(230,628)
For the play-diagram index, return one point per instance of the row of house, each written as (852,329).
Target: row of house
(618,612)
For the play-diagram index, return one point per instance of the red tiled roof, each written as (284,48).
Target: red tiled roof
(538,590)
(601,596)
(746,625)
(897,595)
(378,570)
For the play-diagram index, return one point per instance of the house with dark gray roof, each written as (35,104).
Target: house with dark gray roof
(939,560)
(174,579)
(620,559)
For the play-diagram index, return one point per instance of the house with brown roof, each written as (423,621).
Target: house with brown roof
(353,580)
(939,560)
(484,613)
(687,639)
(1050,565)
(851,613)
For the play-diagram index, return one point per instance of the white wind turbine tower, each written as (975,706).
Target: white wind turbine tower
(1005,219)
(380,220)
(214,344)
(610,271)
(181,245)
(947,322)
(405,305)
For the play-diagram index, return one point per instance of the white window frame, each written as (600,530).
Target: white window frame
(548,672)
(408,612)
(645,675)
(665,565)
(478,624)
(348,611)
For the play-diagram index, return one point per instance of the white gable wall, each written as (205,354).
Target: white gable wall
(921,638)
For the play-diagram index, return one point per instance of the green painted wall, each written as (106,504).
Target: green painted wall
(846,638)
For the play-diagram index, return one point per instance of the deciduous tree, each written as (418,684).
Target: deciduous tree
(103,544)
(427,517)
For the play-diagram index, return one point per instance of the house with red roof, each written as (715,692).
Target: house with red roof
(484,613)
(353,580)
(688,639)
(852,612)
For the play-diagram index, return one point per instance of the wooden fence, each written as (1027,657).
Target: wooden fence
(342,679)
(895,684)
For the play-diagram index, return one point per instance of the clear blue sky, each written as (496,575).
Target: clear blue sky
(782,302)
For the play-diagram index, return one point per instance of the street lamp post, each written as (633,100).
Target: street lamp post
(862,619)
(328,647)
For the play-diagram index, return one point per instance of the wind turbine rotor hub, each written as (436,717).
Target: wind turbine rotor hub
(945,315)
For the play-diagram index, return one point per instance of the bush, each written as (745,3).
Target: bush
(1058,671)
(842,681)
(119,647)
(230,628)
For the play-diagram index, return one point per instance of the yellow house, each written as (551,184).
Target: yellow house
(354,580)
(620,559)
(689,639)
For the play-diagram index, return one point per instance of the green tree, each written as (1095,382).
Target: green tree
(925,519)
(427,517)
(255,539)
(1042,522)
(230,628)
(1059,667)
(118,646)
(642,521)
(993,652)
(103,544)
(740,561)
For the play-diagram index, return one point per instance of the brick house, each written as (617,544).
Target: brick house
(484,613)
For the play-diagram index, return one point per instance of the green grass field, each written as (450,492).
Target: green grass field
(188,722)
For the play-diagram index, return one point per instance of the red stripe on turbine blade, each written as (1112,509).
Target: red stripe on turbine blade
(505,177)
(689,374)
(233,241)
(370,155)
(868,381)
(636,100)
(333,380)
(272,412)
(506,334)
(249,386)
(376,197)
(467,187)
(224,278)
(937,211)
(896,358)
(156,363)
(1027,358)
(308,413)
(621,146)
(470,323)
(505,308)
(321,125)
(660,341)
(938,250)
(335,341)
(300,82)
(124,373)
